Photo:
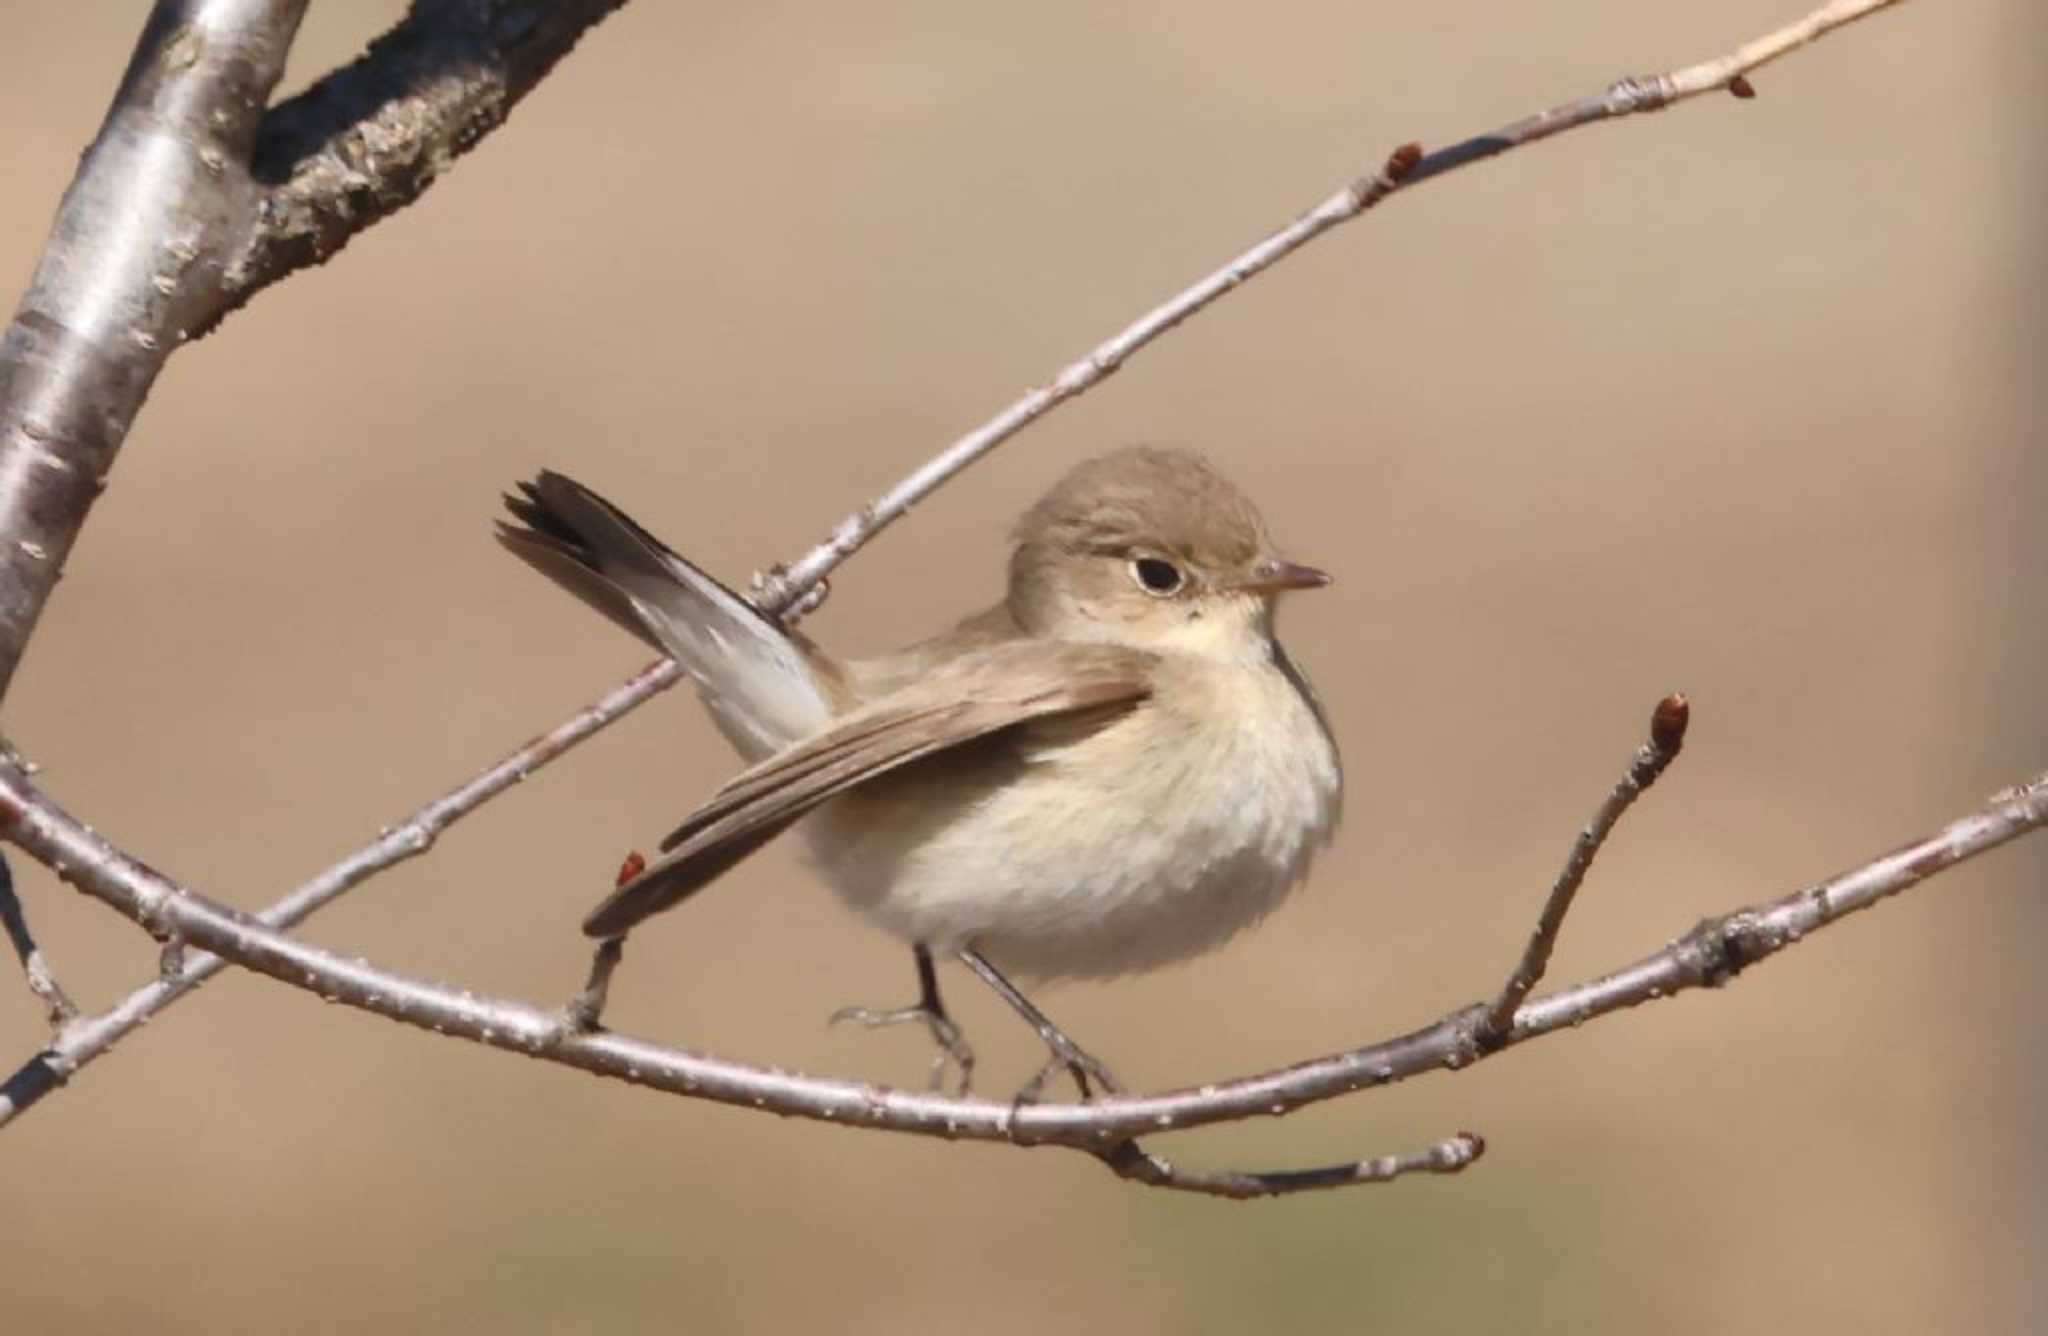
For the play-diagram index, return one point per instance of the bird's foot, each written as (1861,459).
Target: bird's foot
(953,1048)
(1069,1057)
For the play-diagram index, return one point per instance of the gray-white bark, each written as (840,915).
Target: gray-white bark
(193,197)
(162,204)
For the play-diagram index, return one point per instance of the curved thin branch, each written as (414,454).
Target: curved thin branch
(80,1040)
(1407,166)
(787,590)
(1710,955)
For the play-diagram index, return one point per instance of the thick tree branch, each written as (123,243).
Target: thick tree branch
(322,172)
(369,139)
(1710,955)
(161,202)
(191,199)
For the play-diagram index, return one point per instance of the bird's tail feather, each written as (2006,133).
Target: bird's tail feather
(764,684)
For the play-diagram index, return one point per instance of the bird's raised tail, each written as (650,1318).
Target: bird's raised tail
(765,685)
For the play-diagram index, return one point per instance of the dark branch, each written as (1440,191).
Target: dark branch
(369,139)
(42,980)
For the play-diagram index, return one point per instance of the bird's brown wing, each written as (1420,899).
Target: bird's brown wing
(978,694)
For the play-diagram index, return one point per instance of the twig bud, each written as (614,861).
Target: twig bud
(1668,721)
(1401,162)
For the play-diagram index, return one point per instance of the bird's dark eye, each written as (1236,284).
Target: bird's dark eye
(1156,575)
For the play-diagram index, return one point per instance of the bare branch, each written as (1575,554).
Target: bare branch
(191,199)
(83,1040)
(1667,735)
(1128,1160)
(160,203)
(369,139)
(586,1009)
(1710,955)
(783,587)
(1653,92)
(302,126)
(42,980)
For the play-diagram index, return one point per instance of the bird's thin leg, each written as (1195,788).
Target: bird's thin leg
(1066,1054)
(929,1010)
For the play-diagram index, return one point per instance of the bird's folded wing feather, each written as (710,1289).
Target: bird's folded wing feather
(978,694)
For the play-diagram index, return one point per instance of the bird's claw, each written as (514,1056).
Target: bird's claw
(1069,1057)
(953,1048)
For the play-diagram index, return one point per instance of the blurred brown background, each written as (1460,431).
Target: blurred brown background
(1739,400)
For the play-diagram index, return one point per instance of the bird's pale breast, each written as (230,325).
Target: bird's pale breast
(1093,847)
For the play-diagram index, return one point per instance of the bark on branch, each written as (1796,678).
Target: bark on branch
(191,199)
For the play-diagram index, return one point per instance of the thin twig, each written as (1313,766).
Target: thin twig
(85,1039)
(1710,955)
(1407,166)
(784,590)
(586,1009)
(1653,92)
(42,980)
(783,587)
(1129,1160)
(1667,735)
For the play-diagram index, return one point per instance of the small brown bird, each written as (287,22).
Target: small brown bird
(1115,767)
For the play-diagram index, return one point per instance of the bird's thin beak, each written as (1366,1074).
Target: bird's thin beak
(1274,576)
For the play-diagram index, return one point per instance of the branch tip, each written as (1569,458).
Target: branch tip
(1668,722)
(584,1013)
(1127,1159)
(1667,734)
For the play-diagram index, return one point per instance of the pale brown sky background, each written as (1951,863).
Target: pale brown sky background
(1740,399)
